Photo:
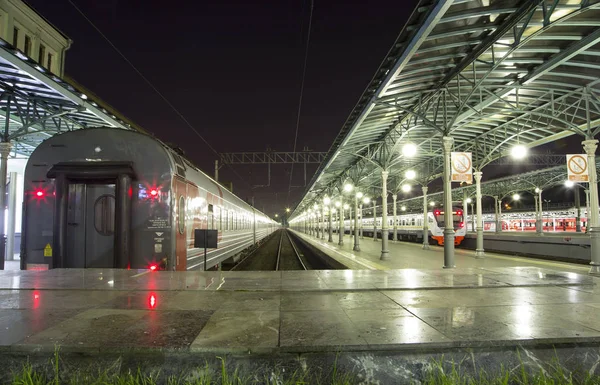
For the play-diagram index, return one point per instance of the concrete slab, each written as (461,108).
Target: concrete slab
(261,312)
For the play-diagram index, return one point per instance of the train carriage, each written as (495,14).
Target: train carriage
(111,198)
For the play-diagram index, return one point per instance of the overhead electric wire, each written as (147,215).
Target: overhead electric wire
(301,95)
(153,87)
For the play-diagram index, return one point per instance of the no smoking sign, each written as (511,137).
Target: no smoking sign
(461,167)
(577,168)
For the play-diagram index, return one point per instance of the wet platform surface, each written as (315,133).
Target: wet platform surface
(341,310)
(405,255)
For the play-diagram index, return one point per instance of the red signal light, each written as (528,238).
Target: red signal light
(153,192)
(153,267)
(459,212)
(152,301)
(40,193)
(437,212)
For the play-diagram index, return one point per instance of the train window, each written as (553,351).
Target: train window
(210,224)
(104,215)
(181,215)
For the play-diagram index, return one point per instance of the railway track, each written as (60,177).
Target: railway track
(283,252)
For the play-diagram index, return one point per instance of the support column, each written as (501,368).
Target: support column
(318,223)
(587,211)
(4,151)
(374,219)
(360,224)
(479,252)
(356,242)
(496,216)
(499,228)
(590,146)
(465,211)
(578,207)
(448,218)
(394,219)
(425,220)
(324,224)
(12,211)
(341,226)
(385,253)
(539,219)
(330,238)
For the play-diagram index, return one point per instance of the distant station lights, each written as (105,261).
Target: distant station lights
(348,187)
(432,203)
(366,200)
(516,197)
(403,208)
(359,195)
(569,183)
(410,174)
(326,201)
(406,188)
(469,200)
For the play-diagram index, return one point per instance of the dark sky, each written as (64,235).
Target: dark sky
(234,71)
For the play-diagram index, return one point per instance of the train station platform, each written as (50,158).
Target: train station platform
(375,322)
(408,255)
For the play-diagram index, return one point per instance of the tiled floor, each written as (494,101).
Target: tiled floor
(294,311)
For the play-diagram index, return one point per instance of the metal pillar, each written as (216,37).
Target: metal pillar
(479,252)
(360,224)
(425,220)
(341,229)
(499,228)
(587,210)
(465,211)
(12,211)
(448,218)
(590,146)
(496,217)
(394,219)
(4,151)
(538,218)
(122,237)
(473,217)
(324,224)
(385,253)
(216,170)
(374,220)
(317,223)
(330,239)
(578,206)
(356,242)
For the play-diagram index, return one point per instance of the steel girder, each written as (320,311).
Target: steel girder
(489,73)
(272,157)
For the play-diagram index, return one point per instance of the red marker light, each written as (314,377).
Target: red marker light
(152,301)
(154,192)
(40,193)
(153,267)
(461,225)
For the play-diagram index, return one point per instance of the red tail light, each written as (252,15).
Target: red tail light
(154,267)
(461,225)
(153,192)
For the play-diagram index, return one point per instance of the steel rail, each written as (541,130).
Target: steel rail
(295,250)
(279,251)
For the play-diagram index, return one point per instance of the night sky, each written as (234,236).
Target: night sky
(234,70)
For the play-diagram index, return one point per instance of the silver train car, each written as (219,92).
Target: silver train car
(112,198)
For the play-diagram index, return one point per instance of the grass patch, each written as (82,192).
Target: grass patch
(437,372)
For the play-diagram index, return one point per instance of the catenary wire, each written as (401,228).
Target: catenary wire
(301,96)
(154,88)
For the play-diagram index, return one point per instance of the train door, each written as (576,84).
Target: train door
(181,243)
(90,226)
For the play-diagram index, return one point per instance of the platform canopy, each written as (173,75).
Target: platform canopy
(36,104)
(489,73)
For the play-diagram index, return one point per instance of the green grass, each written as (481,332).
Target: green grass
(439,372)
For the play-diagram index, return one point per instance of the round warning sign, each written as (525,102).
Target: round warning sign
(461,163)
(577,168)
(577,164)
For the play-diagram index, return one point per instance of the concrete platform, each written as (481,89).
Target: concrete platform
(270,312)
(408,255)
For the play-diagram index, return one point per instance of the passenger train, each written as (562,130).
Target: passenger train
(112,198)
(410,226)
(555,220)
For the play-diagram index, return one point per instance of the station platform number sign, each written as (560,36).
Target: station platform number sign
(461,167)
(577,168)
